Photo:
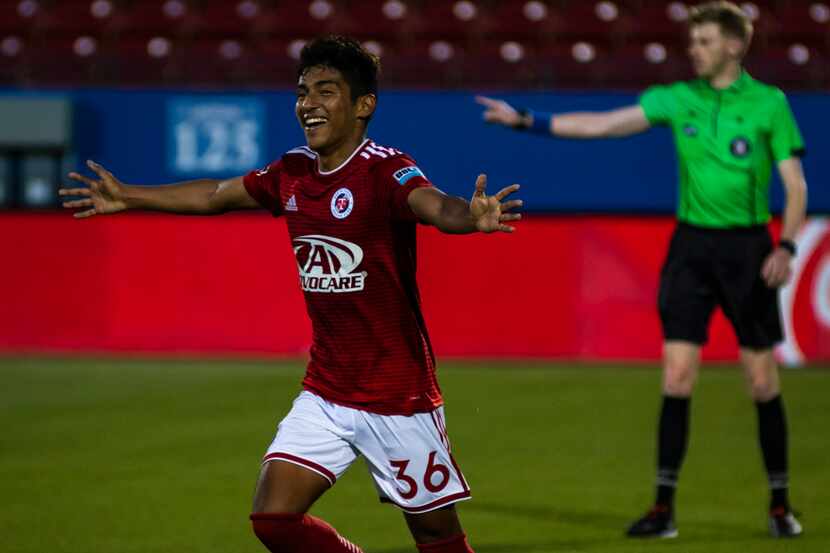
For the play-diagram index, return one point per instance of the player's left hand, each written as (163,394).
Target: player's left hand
(776,269)
(489,212)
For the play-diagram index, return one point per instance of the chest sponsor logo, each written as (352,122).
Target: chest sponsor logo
(740,147)
(403,175)
(328,265)
(342,203)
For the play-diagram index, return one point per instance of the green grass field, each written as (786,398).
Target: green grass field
(159,456)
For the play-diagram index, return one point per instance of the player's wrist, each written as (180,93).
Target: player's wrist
(536,122)
(524,120)
(788,246)
(130,196)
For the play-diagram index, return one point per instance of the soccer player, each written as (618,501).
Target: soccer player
(370,388)
(729,129)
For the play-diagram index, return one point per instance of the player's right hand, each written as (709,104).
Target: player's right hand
(499,111)
(102,196)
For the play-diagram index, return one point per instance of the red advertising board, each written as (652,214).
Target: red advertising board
(805,303)
(560,287)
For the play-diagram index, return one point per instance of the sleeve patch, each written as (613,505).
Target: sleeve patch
(403,175)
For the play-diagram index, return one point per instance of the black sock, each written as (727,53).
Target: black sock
(672,439)
(772,433)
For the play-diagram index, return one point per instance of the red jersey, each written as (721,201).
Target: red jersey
(353,235)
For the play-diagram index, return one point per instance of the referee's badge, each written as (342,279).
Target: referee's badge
(740,147)
(689,130)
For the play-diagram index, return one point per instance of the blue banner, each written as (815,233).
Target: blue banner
(156,136)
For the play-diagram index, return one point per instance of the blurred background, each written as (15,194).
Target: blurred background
(166,90)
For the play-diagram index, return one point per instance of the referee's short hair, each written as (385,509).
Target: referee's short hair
(729,17)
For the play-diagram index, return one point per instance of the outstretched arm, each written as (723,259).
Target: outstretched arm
(616,123)
(457,216)
(107,194)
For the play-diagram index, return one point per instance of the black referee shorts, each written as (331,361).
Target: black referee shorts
(709,267)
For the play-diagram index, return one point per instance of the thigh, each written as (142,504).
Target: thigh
(410,461)
(311,450)
(749,304)
(687,297)
(287,488)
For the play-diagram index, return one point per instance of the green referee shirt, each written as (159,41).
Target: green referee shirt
(726,143)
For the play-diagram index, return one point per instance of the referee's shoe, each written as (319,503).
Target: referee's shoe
(783,524)
(657,523)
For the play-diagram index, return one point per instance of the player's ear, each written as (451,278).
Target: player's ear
(366,105)
(735,47)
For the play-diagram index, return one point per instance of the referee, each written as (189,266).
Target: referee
(729,129)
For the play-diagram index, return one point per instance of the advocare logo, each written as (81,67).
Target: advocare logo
(328,264)
(805,301)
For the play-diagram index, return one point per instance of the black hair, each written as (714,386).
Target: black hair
(358,66)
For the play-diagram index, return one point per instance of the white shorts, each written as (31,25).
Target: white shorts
(408,456)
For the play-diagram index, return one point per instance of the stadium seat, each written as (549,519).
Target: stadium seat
(374,19)
(475,31)
(74,17)
(271,63)
(133,65)
(53,61)
(777,67)
(443,20)
(153,17)
(289,20)
(800,20)
(410,64)
(13,20)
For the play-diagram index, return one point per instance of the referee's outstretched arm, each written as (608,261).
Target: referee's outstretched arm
(615,123)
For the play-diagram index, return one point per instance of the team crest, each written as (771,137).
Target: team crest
(342,203)
(740,147)
(689,130)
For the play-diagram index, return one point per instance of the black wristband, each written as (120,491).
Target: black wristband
(788,245)
(521,125)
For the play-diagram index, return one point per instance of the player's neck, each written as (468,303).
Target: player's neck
(334,157)
(725,78)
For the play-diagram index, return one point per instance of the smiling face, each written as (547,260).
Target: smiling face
(711,50)
(326,112)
